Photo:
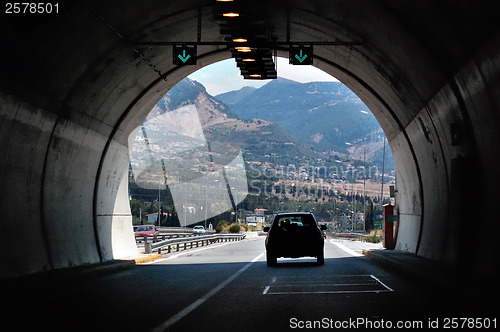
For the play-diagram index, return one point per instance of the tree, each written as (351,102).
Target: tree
(369,217)
(136,207)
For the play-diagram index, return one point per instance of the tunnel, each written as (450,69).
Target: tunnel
(74,85)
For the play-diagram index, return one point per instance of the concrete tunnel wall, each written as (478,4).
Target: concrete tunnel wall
(74,91)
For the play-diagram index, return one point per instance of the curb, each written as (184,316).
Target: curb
(147,259)
(409,264)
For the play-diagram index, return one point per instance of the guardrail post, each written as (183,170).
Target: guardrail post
(147,248)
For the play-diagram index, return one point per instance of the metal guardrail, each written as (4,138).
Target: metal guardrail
(165,236)
(176,243)
(351,236)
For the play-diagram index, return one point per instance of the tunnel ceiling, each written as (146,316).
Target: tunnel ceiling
(401,40)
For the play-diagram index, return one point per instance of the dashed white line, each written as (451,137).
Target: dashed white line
(184,312)
(267,287)
(380,282)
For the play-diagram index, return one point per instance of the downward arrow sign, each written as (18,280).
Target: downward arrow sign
(185,57)
(301,58)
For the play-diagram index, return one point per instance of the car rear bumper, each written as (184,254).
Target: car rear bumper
(295,251)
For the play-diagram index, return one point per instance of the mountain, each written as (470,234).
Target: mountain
(188,92)
(322,115)
(222,128)
(233,97)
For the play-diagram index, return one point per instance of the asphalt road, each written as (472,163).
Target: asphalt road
(229,287)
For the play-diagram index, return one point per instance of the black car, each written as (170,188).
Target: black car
(294,235)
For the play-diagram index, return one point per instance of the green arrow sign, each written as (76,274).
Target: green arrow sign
(301,55)
(184,55)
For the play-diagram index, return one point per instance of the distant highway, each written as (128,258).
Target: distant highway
(229,287)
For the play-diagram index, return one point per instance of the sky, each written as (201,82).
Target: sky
(224,76)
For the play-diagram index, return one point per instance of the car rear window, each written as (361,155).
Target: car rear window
(145,229)
(295,221)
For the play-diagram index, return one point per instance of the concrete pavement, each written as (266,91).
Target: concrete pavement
(229,287)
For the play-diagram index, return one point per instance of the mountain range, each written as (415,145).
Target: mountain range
(325,116)
(286,118)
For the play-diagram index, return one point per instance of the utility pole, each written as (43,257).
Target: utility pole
(159,204)
(364,190)
(383,171)
(353,207)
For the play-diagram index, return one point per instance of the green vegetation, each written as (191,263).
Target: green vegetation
(221,227)
(375,236)
(235,228)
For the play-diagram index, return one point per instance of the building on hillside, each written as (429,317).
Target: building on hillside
(260,212)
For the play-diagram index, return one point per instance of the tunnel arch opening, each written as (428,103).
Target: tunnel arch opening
(319,63)
(324,175)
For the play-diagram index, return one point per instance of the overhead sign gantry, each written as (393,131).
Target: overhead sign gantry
(249,37)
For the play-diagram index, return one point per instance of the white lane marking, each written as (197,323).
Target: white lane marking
(326,285)
(184,312)
(389,288)
(347,250)
(267,287)
(370,280)
(187,252)
(330,292)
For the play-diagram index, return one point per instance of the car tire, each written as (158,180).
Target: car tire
(271,259)
(320,259)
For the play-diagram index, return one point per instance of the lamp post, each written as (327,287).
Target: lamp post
(364,190)
(383,171)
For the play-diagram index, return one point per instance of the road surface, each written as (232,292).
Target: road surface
(229,287)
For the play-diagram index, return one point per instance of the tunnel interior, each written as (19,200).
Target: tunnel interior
(77,85)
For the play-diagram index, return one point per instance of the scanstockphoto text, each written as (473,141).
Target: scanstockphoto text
(380,323)
(332,172)
(310,181)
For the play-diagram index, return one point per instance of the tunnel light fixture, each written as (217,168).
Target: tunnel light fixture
(249,36)
(244,49)
(224,0)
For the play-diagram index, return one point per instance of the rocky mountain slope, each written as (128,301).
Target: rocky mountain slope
(326,116)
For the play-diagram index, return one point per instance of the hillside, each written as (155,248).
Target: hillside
(188,92)
(259,138)
(225,133)
(322,115)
